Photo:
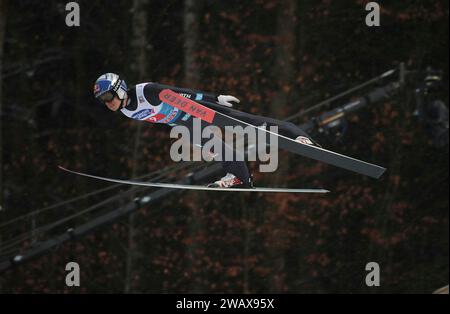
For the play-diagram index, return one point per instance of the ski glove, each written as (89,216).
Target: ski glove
(226,100)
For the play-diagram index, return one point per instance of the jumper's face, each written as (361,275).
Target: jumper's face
(113,104)
(110,99)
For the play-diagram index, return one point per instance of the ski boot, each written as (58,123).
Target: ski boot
(230,180)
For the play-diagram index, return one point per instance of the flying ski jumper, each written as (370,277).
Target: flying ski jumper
(157,103)
(143,103)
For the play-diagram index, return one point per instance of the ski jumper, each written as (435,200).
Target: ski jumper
(144,104)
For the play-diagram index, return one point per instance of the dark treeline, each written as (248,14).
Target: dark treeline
(278,58)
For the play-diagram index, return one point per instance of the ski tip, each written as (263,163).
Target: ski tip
(65,169)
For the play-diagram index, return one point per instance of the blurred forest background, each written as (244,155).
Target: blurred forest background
(278,58)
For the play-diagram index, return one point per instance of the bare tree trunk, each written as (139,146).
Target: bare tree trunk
(2,39)
(191,79)
(285,67)
(284,71)
(285,54)
(139,67)
(191,39)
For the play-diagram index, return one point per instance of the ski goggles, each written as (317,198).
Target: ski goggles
(106,97)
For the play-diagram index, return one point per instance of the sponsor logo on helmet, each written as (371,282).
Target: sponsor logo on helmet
(140,115)
(96,88)
(141,99)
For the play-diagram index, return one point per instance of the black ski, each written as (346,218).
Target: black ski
(217,118)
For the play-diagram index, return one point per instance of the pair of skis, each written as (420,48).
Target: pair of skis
(219,119)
